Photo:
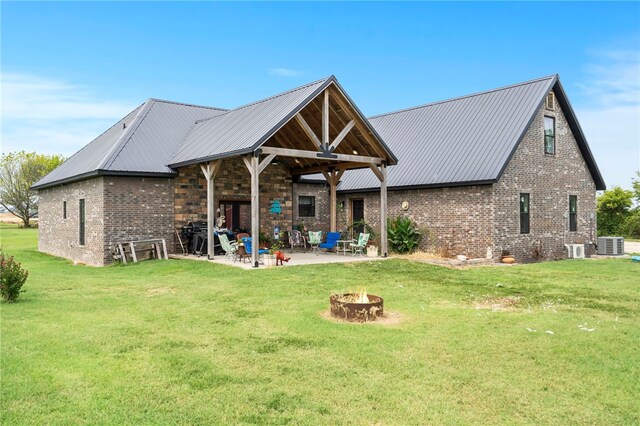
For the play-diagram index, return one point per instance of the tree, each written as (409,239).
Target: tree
(613,208)
(636,188)
(18,172)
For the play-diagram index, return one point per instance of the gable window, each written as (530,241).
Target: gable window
(306,206)
(64,209)
(550,102)
(549,135)
(81,220)
(524,213)
(573,213)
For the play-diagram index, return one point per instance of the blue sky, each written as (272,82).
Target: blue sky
(70,70)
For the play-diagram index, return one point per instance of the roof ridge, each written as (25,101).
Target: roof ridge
(126,135)
(286,92)
(457,98)
(186,104)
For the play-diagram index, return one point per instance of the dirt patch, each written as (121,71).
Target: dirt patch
(389,318)
(498,304)
(160,291)
(434,259)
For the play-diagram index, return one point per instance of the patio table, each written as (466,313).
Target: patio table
(344,246)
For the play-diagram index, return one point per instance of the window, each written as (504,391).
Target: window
(550,102)
(64,209)
(573,213)
(306,206)
(524,213)
(549,135)
(82,220)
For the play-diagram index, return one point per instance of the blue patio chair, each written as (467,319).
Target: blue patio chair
(248,247)
(332,241)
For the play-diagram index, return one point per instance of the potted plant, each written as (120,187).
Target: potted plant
(507,257)
(270,258)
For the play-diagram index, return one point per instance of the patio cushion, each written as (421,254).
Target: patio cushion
(332,240)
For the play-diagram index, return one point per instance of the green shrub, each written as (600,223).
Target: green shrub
(631,226)
(404,236)
(12,277)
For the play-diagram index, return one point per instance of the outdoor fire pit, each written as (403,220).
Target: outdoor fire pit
(357,307)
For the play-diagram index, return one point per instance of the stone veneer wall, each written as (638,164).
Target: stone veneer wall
(137,208)
(322,219)
(59,236)
(456,220)
(233,183)
(549,179)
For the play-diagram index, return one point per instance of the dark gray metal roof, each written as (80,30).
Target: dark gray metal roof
(141,143)
(463,141)
(466,139)
(243,129)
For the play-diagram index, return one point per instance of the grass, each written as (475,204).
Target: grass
(167,342)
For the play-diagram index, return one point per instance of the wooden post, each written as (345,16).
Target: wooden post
(255,210)
(325,120)
(333,203)
(383,211)
(209,170)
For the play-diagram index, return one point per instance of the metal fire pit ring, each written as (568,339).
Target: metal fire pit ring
(356,312)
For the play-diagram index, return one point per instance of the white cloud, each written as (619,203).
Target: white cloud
(52,116)
(610,116)
(284,72)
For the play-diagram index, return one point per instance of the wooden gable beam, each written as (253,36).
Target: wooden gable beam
(319,156)
(307,129)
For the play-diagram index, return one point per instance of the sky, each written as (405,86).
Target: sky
(70,70)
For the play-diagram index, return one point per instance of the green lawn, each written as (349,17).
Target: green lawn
(166,342)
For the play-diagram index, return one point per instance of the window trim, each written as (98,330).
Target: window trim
(82,218)
(573,217)
(312,206)
(525,216)
(553,136)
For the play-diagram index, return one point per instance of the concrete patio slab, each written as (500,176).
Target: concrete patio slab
(297,259)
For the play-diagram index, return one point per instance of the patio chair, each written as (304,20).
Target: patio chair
(315,239)
(332,241)
(248,248)
(296,239)
(230,249)
(358,247)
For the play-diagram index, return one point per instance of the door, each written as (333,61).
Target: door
(357,214)
(237,215)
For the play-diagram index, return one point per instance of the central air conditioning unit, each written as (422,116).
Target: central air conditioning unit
(575,251)
(611,246)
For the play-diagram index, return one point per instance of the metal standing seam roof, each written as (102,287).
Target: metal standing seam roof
(141,143)
(245,128)
(242,129)
(465,140)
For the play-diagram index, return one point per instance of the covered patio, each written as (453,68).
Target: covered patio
(309,130)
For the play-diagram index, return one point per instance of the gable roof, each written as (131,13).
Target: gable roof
(141,143)
(464,141)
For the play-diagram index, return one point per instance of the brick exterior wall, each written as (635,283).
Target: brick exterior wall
(549,179)
(116,209)
(233,183)
(467,220)
(59,236)
(322,219)
(452,220)
(137,208)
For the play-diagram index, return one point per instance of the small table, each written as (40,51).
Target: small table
(344,246)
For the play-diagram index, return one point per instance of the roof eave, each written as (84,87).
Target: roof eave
(421,186)
(578,134)
(98,173)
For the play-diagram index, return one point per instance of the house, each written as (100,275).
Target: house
(507,169)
